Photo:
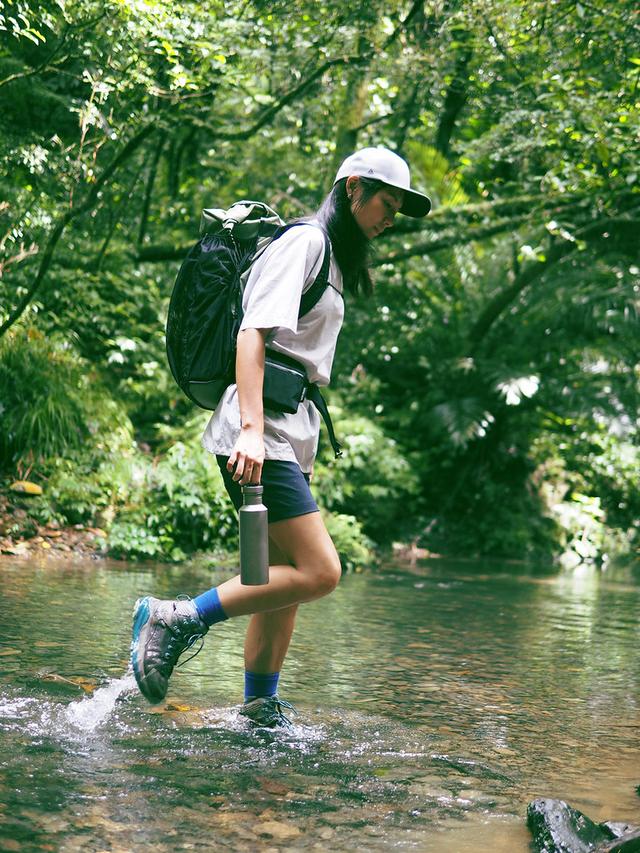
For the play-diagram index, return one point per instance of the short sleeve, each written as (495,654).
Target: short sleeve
(275,285)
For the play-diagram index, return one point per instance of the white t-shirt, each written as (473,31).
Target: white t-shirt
(271,300)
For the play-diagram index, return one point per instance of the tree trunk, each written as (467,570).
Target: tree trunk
(153,171)
(353,109)
(455,99)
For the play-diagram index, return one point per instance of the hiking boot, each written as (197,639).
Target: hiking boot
(162,631)
(266,712)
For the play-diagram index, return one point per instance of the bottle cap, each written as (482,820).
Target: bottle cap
(252,490)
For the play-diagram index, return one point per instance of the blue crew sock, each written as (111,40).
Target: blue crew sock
(209,607)
(258,684)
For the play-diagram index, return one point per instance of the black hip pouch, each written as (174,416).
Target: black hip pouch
(286,386)
(285,383)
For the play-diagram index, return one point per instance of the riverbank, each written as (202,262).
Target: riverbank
(56,542)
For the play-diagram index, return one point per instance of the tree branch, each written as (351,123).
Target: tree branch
(20,75)
(73,213)
(445,217)
(455,98)
(291,96)
(449,241)
(536,270)
(151,179)
(418,6)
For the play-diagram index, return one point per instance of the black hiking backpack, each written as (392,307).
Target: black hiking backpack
(205,310)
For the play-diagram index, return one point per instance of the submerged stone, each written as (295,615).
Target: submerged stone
(558,828)
(628,843)
(619,828)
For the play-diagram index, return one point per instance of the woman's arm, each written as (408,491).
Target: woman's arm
(248,452)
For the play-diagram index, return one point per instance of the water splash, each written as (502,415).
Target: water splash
(92,711)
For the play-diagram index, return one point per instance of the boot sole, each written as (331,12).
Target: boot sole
(141,615)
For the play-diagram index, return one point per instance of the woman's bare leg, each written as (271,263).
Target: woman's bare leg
(268,635)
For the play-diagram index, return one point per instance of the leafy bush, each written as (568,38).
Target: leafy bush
(179,506)
(373,481)
(88,486)
(120,330)
(589,484)
(58,417)
(46,396)
(133,540)
(353,547)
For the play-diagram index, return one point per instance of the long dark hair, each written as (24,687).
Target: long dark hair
(351,248)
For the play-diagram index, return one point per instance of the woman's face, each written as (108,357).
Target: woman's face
(377,213)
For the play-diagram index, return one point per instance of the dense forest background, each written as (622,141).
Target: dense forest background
(487,394)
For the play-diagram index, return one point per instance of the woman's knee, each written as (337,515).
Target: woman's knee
(324,577)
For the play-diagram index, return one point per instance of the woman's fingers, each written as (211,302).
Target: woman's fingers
(246,470)
(240,466)
(251,473)
(245,461)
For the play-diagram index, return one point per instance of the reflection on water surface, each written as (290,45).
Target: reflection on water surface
(433,705)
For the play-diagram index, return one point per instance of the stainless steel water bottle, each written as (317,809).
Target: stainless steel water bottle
(254,538)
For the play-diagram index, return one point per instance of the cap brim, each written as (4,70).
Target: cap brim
(415,204)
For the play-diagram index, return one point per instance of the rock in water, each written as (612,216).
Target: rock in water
(618,828)
(628,843)
(558,828)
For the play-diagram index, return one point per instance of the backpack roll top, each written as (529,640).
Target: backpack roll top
(247,220)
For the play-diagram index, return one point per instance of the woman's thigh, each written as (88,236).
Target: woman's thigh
(305,542)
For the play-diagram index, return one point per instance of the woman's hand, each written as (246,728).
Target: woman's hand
(247,456)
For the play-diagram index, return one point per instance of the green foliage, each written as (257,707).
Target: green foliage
(353,546)
(121,331)
(89,486)
(164,508)
(591,490)
(51,403)
(373,481)
(63,429)
(178,506)
(134,540)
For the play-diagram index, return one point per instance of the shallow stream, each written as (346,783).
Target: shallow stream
(433,705)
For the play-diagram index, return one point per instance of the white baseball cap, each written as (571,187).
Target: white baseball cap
(384,165)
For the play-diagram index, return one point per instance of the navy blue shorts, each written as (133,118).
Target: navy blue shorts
(286,489)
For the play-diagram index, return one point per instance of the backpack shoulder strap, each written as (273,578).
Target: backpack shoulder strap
(312,296)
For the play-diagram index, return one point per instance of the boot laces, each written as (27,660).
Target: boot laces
(179,643)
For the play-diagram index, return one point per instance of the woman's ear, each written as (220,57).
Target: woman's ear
(352,183)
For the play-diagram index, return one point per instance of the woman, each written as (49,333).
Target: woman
(278,450)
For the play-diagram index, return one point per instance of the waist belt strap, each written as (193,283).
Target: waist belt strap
(313,394)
